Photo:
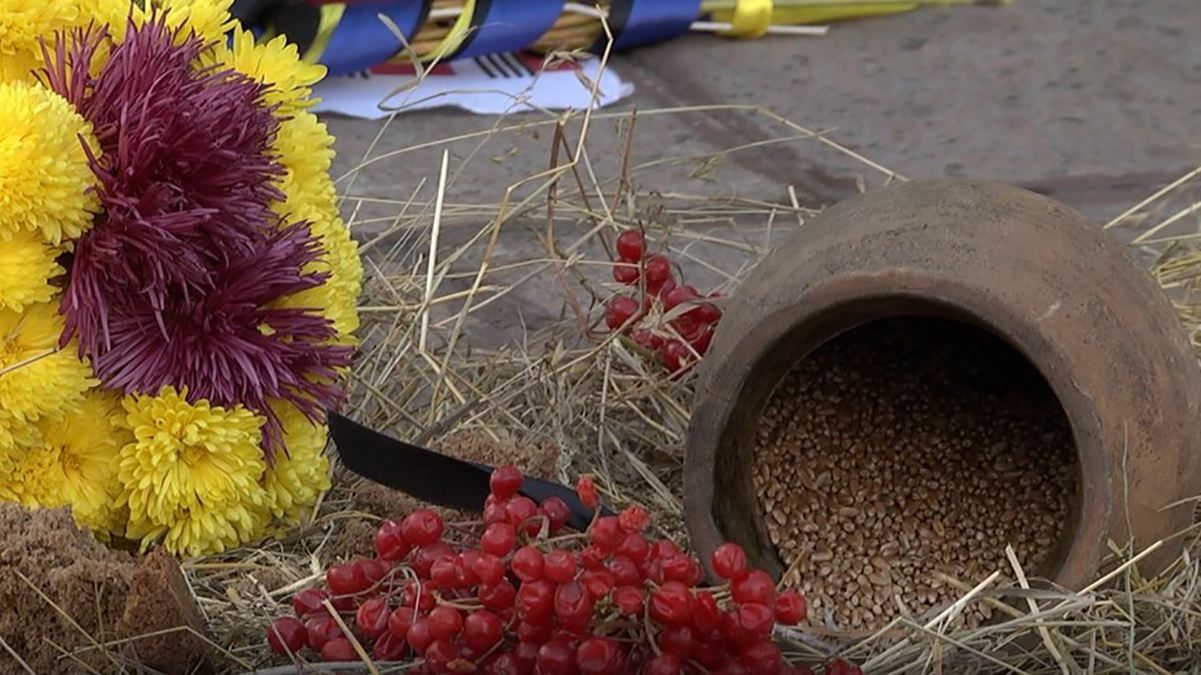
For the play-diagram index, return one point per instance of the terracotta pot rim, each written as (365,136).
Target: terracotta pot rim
(1028,270)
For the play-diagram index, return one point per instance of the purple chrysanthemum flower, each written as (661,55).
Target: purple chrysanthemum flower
(175,282)
(230,345)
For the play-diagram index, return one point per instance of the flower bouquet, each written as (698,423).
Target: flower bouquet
(177,290)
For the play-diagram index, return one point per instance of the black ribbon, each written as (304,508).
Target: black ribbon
(436,478)
(297,20)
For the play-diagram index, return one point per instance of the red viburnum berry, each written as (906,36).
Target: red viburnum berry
(445,622)
(756,619)
(426,556)
(573,604)
(664,548)
(679,641)
(389,542)
(557,513)
(634,519)
(840,667)
(445,573)
(663,664)
(657,270)
(762,658)
(422,527)
(556,658)
(536,601)
(671,604)
(499,596)
(346,579)
(482,629)
(675,356)
(309,601)
(626,272)
(559,566)
(505,481)
(678,296)
(523,515)
(388,648)
(631,245)
(287,635)
(598,582)
(495,510)
(707,312)
(498,539)
(372,617)
(338,650)
(620,310)
(757,586)
(646,339)
(320,630)
(598,656)
(420,636)
(528,563)
(702,340)
(538,634)
(591,558)
(791,608)
(440,654)
(732,667)
(606,533)
(625,571)
(628,600)
(586,490)
(488,569)
(400,620)
(634,547)
(705,613)
(729,562)
(374,569)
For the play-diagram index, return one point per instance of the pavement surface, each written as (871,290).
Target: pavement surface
(1093,102)
(1096,103)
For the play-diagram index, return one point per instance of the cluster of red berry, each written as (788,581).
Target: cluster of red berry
(682,339)
(526,599)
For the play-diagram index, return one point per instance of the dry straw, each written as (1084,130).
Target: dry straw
(495,330)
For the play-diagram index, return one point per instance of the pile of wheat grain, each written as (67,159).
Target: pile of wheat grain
(905,450)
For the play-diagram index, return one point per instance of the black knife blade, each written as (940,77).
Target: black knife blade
(434,477)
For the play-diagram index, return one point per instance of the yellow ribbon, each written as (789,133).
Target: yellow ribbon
(458,32)
(331,15)
(750,18)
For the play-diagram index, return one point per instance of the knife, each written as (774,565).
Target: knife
(436,478)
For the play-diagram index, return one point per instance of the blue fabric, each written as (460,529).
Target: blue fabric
(636,23)
(500,26)
(361,40)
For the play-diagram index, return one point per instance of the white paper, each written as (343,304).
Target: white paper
(489,85)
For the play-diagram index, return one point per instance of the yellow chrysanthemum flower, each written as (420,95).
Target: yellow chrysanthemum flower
(192,474)
(209,19)
(38,479)
(37,378)
(294,481)
(306,150)
(206,530)
(276,63)
(27,264)
(338,297)
(45,182)
(14,432)
(86,443)
(22,24)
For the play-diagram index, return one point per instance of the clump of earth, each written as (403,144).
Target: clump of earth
(69,599)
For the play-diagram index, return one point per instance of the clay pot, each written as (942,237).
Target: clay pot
(1025,268)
